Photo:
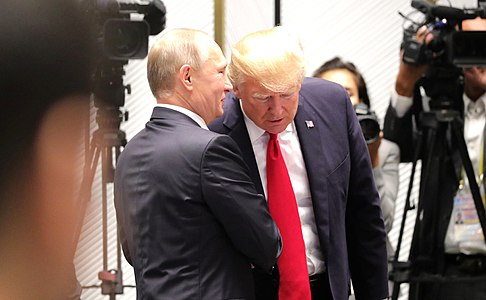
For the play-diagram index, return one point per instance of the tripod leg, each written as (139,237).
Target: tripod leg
(427,246)
(85,191)
(402,274)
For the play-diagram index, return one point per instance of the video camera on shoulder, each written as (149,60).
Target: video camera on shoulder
(368,122)
(449,44)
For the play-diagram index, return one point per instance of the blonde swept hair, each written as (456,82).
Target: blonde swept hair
(173,49)
(273,57)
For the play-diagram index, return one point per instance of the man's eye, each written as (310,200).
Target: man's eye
(262,98)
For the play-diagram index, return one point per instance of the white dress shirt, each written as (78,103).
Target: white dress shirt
(292,155)
(187,112)
(474,120)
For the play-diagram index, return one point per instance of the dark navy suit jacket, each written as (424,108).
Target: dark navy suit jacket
(345,200)
(191,221)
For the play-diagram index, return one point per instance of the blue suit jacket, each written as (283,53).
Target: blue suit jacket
(345,200)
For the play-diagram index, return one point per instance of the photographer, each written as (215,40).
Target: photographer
(384,154)
(454,258)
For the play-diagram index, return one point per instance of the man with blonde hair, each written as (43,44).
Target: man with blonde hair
(306,153)
(191,221)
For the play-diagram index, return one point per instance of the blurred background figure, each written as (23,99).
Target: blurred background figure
(45,68)
(384,154)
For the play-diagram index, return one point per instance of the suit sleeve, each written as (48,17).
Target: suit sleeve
(233,199)
(401,131)
(386,179)
(366,237)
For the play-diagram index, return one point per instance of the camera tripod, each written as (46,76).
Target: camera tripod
(106,141)
(441,129)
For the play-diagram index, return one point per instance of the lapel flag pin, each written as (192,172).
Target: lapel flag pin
(309,124)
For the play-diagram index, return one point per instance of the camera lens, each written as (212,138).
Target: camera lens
(368,122)
(125,39)
(369,127)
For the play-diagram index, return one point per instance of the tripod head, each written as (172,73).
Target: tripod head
(109,97)
(444,84)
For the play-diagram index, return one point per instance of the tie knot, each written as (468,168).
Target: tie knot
(273,150)
(273,136)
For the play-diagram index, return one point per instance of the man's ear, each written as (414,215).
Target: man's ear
(236,90)
(185,73)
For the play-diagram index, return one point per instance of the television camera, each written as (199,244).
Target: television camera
(120,37)
(368,122)
(446,49)
(449,44)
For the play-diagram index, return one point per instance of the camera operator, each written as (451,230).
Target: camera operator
(384,154)
(457,259)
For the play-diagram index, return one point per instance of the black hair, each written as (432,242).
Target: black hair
(46,54)
(337,63)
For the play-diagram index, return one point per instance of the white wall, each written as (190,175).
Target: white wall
(367,33)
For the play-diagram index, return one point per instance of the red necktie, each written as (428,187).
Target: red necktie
(292,263)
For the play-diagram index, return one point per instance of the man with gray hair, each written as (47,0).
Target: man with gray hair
(191,221)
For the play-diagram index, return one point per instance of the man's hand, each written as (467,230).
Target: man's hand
(409,74)
(373,151)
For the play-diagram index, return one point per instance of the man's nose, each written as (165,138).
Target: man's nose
(276,104)
(228,87)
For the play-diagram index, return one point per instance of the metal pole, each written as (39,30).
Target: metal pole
(219,23)
(277,13)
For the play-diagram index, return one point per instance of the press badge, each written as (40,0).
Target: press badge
(467,234)
(466,220)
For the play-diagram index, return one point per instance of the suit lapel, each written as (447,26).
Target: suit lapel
(235,123)
(310,138)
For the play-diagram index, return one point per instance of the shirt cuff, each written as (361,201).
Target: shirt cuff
(401,104)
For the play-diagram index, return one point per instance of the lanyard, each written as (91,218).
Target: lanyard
(479,180)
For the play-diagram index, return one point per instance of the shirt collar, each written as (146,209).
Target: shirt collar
(187,112)
(467,102)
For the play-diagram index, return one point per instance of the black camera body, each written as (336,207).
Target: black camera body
(368,122)
(449,45)
(120,38)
